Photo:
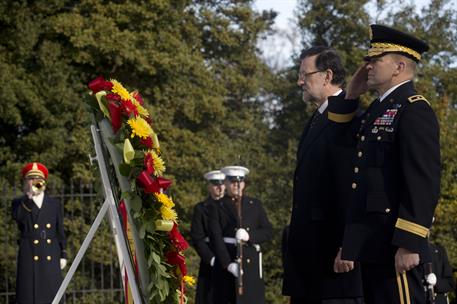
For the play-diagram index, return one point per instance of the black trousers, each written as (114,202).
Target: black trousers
(382,285)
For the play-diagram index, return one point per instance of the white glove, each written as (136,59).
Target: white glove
(211,263)
(233,269)
(63,263)
(242,235)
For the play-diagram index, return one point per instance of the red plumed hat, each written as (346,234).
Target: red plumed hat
(35,169)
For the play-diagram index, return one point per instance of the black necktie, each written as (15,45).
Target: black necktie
(314,119)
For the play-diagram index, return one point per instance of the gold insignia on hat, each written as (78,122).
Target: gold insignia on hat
(379,48)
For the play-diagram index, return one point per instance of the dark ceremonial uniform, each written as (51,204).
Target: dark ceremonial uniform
(395,188)
(199,231)
(223,223)
(443,271)
(318,217)
(41,246)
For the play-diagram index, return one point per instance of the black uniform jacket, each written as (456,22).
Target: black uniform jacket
(395,177)
(318,218)
(199,232)
(41,246)
(223,222)
(443,271)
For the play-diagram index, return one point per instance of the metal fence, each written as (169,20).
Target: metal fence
(97,279)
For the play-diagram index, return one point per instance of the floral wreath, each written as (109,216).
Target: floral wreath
(153,210)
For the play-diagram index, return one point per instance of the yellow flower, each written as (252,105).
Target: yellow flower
(120,90)
(164,200)
(158,163)
(168,213)
(190,280)
(141,110)
(140,127)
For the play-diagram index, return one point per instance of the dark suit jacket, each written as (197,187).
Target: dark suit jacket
(318,218)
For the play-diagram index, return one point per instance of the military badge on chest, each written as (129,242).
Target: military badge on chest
(386,121)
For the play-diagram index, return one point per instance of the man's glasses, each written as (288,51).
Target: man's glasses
(302,75)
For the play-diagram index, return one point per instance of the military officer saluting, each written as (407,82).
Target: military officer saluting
(42,239)
(396,173)
(199,231)
(227,232)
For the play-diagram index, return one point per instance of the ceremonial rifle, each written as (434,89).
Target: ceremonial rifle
(239,243)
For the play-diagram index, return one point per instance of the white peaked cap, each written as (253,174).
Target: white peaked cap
(235,171)
(214,175)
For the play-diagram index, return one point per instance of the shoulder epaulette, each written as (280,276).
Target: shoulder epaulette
(415,98)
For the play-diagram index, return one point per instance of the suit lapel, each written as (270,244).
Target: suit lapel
(314,133)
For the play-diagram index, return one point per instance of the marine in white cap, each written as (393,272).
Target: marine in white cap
(200,237)
(226,231)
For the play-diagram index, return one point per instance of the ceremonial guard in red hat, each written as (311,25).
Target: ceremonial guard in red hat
(199,231)
(42,240)
(238,225)
(396,172)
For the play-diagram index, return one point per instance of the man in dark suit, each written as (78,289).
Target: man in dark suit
(42,240)
(227,231)
(199,232)
(396,173)
(318,212)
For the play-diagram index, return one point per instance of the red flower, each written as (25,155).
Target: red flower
(112,97)
(138,97)
(149,163)
(177,259)
(100,84)
(148,183)
(177,239)
(129,108)
(147,142)
(115,113)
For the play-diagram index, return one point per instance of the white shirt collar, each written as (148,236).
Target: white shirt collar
(391,90)
(38,199)
(324,105)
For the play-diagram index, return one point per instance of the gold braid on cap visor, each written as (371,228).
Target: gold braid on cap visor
(378,48)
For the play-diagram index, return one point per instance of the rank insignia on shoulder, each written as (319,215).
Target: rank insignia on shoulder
(415,98)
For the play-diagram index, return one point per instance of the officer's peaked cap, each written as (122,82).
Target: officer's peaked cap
(215,175)
(389,40)
(235,171)
(35,169)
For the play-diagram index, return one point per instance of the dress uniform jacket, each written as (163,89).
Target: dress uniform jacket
(41,246)
(443,271)
(223,224)
(318,218)
(199,232)
(396,175)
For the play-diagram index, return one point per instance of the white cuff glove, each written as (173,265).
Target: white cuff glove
(63,263)
(211,263)
(242,235)
(233,269)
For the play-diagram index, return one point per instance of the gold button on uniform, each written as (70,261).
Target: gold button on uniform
(48,241)
(48,258)
(36,242)
(362,138)
(248,261)
(354,185)
(356,169)
(387,210)
(35,226)
(36,258)
(359,154)
(48,225)
(378,138)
